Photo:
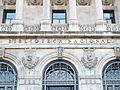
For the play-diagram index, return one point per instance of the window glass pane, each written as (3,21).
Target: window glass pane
(11,15)
(59,17)
(62,21)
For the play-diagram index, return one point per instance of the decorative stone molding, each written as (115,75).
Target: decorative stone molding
(35,2)
(107,2)
(59,2)
(2,52)
(89,59)
(83,2)
(60,52)
(9,2)
(117,51)
(30,60)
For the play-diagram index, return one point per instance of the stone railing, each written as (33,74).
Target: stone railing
(6,28)
(113,27)
(32,28)
(87,28)
(59,27)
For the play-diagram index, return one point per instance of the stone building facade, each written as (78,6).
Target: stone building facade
(59,44)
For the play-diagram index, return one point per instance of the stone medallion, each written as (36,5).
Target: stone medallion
(59,2)
(30,60)
(89,59)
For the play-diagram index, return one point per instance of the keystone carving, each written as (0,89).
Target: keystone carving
(60,52)
(30,60)
(59,2)
(107,2)
(2,51)
(89,59)
(117,51)
(35,2)
(83,2)
(9,2)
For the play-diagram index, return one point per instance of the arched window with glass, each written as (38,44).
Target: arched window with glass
(111,76)
(60,75)
(8,76)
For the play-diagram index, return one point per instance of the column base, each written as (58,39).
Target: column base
(100,25)
(46,25)
(18,25)
(73,25)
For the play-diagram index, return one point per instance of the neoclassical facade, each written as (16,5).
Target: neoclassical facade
(59,44)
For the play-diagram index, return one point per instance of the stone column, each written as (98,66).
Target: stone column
(18,22)
(99,16)
(46,22)
(73,23)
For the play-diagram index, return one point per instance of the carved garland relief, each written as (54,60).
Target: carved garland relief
(35,2)
(9,2)
(59,2)
(107,2)
(83,2)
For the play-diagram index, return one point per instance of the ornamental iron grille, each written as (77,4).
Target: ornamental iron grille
(111,76)
(60,75)
(8,76)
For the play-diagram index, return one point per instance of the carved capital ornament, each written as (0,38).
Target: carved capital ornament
(89,59)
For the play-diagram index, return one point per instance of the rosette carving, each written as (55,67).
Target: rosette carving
(83,2)
(35,2)
(107,2)
(59,2)
(9,2)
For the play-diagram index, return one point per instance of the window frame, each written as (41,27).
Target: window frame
(111,18)
(59,19)
(5,12)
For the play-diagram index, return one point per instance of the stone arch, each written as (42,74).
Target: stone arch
(109,57)
(66,56)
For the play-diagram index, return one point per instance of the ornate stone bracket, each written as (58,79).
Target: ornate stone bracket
(35,2)
(30,60)
(83,2)
(89,59)
(59,2)
(60,52)
(117,51)
(9,2)
(107,2)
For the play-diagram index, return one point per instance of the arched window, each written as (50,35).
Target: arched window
(111,76)
(8,76)
(60,75)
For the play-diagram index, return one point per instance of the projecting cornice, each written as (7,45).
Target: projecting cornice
(9,2)
(108,2)
(83,2)
(35,2)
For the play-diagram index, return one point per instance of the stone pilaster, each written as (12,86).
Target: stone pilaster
(100,22)
(18,22)
(73,23)
(46,22)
